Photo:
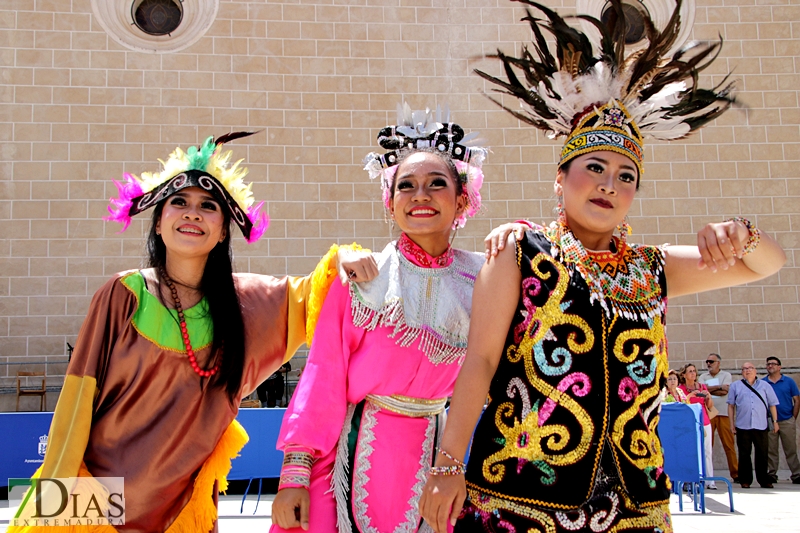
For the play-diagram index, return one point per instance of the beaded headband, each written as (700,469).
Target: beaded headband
(602,96)
(206,167)
(608,127)
(420,130)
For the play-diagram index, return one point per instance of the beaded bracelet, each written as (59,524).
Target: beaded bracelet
(295,458)
(456,461)
(451,470)
(754,232)
(296,470)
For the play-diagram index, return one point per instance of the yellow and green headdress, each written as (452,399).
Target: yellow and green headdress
(206,167)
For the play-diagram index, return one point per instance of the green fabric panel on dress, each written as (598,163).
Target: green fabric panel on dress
(160,325)
(352,442)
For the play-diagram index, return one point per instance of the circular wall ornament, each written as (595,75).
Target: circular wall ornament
(660,12)
(157,17)
(164,26)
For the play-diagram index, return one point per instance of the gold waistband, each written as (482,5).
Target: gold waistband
(407,406)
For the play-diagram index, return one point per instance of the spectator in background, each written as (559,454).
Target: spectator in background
(271,390)
(718,381)
(673,392)
(698,393)
(789,397)
(751,409)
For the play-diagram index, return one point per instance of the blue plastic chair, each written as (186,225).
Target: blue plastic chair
(681,433)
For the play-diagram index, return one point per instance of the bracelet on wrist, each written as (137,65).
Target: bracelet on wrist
(754,234)
(294,481)
(451,470)
(296,470)
(301,459)
(456,461)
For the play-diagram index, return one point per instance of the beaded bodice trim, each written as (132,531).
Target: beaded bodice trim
(623,282)
(429,304)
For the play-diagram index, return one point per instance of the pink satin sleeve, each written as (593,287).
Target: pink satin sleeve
(316,413)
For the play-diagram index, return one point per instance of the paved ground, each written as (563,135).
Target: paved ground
(756,510)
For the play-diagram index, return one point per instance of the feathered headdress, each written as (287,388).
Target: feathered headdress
(608,99)
(421,130)
(206,167)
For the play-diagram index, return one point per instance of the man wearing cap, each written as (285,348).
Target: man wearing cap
(718,381)
(789,397)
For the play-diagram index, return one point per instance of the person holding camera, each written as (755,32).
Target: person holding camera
(697,392)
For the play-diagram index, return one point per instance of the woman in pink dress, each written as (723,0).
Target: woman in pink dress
(697,392)
(358,436)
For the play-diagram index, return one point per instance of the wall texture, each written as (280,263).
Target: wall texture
(321,78)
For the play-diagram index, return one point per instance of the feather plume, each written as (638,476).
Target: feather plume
(232,136)
(119,210)
(659,92)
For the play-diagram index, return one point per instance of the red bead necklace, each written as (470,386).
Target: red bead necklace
(185,331)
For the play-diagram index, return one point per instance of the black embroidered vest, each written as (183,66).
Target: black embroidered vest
(574,380)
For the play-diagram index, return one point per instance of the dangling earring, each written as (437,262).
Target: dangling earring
(624,230)
(562,215)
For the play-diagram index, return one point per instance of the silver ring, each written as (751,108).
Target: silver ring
(352,274)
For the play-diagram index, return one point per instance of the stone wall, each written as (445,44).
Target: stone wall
(320,78)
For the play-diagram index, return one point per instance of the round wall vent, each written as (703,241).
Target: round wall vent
(660,12)
(157,17)
(159,26)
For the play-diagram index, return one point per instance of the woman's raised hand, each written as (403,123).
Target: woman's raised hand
(442,500)
(496,240)
(290,508)
(721,244)
(356,266)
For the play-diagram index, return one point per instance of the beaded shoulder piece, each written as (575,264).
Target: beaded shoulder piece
(430,304)
(625,283)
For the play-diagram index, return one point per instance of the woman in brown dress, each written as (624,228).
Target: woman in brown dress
(166,353)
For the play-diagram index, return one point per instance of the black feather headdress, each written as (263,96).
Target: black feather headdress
(656,93)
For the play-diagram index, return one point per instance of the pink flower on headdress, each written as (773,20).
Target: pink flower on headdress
(387,178)
(260,222)
(472,190)
(120,207)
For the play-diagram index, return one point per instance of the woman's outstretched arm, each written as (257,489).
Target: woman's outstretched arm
(719,260)
(494,301)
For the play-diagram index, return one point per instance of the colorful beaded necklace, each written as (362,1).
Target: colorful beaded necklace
(626,287)
(184,331)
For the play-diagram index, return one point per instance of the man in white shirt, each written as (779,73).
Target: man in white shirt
(718,381)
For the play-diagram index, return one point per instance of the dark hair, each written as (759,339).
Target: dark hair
(565,168)
(218,287)
(773,358)
(448,161)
